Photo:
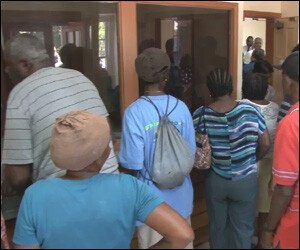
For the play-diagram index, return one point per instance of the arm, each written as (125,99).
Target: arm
(15,246)
(280,200)
(127,171)
(263,145)
(16,178)
(175,229)
(131,154)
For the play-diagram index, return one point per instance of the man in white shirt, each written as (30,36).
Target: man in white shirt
(247,50)
(42,93)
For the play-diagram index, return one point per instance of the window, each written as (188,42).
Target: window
(38,34)
(90,27)
(102,44)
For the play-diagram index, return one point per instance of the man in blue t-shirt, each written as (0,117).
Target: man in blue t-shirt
(140,123)
(84,209)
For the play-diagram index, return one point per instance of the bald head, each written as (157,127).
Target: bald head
(257,43)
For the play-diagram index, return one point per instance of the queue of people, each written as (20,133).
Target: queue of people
(58,155)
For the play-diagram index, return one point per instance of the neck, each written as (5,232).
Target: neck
(263,102)
(79,175)
(154,90)
(224,98)
(294,92)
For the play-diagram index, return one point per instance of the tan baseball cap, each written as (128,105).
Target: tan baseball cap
(78,139)
(152,65)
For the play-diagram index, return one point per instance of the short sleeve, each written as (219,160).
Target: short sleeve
(286,154)
(198,120)
(131,153)
(25,231)
(146,200)
(17,145)
(261,123)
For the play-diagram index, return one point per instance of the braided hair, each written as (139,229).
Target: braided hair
(255,86)
(219,83)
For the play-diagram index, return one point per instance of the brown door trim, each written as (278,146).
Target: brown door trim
(270,18)
(128,42)
(127,27)
(261,14)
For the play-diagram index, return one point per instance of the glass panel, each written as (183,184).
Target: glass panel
(90,26)
(196,40)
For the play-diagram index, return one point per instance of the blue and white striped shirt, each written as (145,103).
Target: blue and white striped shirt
(233,137)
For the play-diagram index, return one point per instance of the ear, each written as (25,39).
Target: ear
(287,81)
(294,86)
(286,85)
(26,68)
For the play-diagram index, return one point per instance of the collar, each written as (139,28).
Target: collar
(293,108)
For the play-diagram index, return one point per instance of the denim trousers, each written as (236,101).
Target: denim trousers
(231,207)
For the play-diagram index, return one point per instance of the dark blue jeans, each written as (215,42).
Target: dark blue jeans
(231,207)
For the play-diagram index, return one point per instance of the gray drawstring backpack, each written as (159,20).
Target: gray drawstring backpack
(173,157)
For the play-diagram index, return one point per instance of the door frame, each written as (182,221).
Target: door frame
(127,24)
(270,18)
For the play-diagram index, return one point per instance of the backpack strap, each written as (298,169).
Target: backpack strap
(145,178)
(150,101)
(174,107)
(166,112)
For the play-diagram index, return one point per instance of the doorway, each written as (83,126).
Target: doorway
(199,40)
(281,38)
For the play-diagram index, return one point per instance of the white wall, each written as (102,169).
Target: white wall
(255,28)
(264,6)
(289,8)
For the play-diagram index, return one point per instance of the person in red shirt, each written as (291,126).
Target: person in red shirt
(281,229)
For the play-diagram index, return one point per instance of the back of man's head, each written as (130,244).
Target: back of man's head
(258,54)
(290,66)
(26,47)
(296,48)
(66,53)
(169,45)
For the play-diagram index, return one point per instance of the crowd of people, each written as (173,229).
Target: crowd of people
(58,155)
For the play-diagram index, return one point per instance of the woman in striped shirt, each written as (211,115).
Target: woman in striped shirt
(239,138)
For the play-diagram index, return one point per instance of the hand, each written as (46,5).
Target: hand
(266,240)
(271,187)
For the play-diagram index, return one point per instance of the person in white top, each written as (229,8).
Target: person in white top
(247,50)
(254,90)
(264,67)
(42,93)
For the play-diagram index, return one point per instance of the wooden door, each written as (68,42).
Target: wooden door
(285,39)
